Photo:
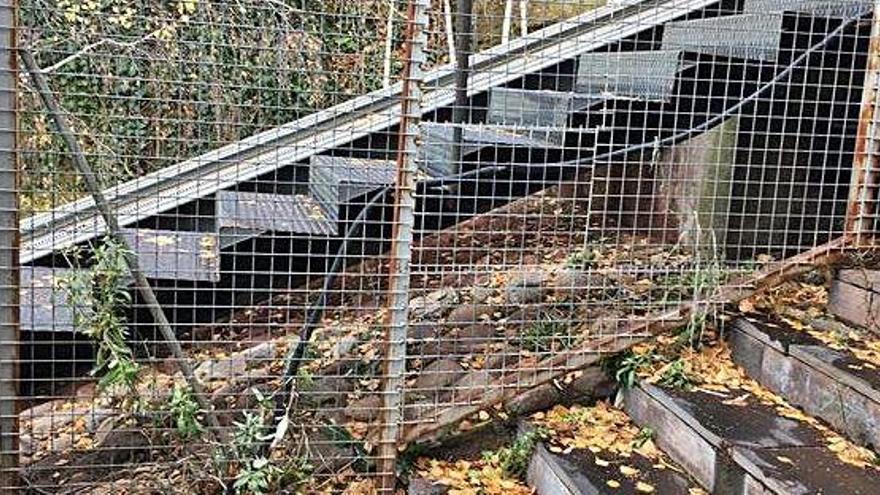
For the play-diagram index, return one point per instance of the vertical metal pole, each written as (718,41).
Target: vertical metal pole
(861,214)
(9,274)
(464,37)
(401,246)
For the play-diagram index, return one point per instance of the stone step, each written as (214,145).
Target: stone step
(335,181)
(648,75)
(833,384)
(242,215)
(599,451)
(855,297)
(743,443)
(828,8)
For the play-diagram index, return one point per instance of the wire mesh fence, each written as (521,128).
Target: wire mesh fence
(281,246)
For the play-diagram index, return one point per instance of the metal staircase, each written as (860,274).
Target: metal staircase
(613,99)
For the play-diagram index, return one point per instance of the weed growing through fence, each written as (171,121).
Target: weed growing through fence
(99,297)
(625,367)
(545,335)
(184,411)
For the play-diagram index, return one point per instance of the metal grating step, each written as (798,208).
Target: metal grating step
(176,255)
(540,108)
(747,36)
(436,152)
(828,8)
(241,215)
(648,75)
(334,181)
(43,308)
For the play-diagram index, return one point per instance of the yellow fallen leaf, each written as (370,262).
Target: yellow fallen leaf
(613,483)
(628,471)
(602,462)
(643,487)
(784,460)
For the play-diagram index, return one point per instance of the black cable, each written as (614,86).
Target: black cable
(316,311)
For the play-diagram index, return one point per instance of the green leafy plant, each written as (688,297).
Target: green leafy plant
(514,459)
(545,335)
(625,367)
(98,297)
(256,476)
(675,375)
(184,411)
(645,434)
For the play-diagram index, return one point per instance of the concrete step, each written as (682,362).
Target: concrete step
(833,384)
(828,8)
(744,440)
(242,215)
(855,298)
(600,451)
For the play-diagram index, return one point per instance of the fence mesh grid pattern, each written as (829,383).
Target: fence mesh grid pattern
(356,252)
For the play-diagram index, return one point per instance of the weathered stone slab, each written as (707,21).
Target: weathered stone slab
(855,305)
(822,381)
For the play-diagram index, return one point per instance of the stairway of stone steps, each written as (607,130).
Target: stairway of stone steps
(787,403)
(615,100)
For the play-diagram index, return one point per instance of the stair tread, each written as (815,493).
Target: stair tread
(176,255)
(579,471)
(485,134)
(649,74)
(335,181)
(770,444)
(540,108)
(294,213)
(586,446)
(785,338)
(43,308)
(783,452)
(747,36)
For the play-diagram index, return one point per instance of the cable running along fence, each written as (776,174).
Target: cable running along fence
(284,246)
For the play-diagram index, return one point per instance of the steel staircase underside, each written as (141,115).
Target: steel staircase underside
(591,113)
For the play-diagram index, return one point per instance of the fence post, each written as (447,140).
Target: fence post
(861,212)
(9,273)
(401,246)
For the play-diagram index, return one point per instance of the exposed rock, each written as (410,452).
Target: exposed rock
(432,305)
(526,287)
(422,486)
(466,314)
(365,409)
(437,375)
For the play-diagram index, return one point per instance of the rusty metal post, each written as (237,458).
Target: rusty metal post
(861,214)
(9,273)
(401,247)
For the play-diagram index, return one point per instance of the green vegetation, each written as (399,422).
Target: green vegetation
(184,411)
(99,299)
(514,460)
(149,84)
